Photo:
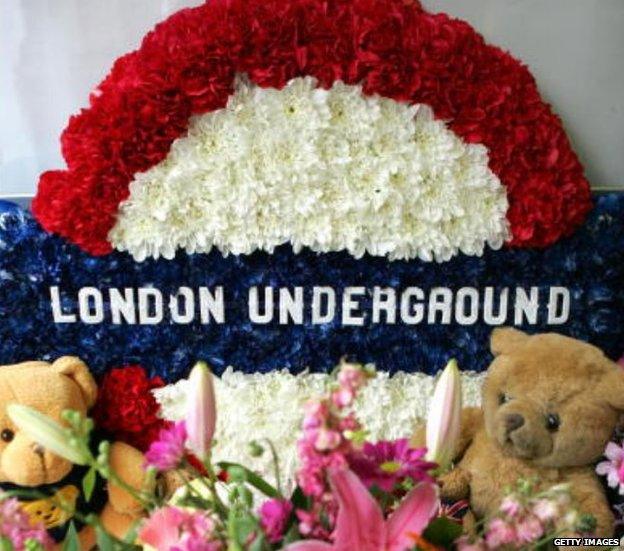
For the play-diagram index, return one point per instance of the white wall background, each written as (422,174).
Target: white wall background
(52,52)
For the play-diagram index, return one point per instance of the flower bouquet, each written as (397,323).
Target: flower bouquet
(350,495)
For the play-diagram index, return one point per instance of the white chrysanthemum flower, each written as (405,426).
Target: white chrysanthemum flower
(270,406)
(329,170)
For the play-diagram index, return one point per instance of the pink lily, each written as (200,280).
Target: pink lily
(360,523)
(201,415)
(444,418)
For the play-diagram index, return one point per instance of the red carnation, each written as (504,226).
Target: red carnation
(126,407)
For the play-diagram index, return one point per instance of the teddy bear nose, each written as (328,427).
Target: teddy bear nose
(38,449)
(513,421)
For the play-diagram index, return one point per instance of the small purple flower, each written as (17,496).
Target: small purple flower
(274,515)
(168,451)
(385,463)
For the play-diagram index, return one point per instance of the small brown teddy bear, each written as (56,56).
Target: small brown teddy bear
(549,406)
(51,389)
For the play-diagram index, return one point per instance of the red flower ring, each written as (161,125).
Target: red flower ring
(187,65)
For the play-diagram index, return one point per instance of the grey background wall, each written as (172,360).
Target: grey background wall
(54,51)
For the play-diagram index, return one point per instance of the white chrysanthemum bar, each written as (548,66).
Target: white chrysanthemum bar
(326,169)
(270,406)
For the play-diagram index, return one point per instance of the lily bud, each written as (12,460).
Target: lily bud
(443,421)
(201,415)
(47,433)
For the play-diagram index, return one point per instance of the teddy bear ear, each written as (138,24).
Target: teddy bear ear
(77,370)
(505,340)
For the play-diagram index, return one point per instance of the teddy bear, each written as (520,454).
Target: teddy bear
(550,404)
(52,388)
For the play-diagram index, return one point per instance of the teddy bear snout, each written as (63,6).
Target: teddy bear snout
(513,421)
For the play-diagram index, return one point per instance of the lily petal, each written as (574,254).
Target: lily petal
(46,432)
(201,415)
(412,516)
(309,545)
(360,524)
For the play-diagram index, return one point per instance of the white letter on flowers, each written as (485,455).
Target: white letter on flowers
(329,170)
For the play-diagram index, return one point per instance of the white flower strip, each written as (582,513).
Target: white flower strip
(326,169)
(258,406)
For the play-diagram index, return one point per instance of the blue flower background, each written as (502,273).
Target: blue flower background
(590,264)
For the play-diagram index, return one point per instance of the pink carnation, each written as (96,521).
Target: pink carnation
(274,515)
(174,529)
(168,451)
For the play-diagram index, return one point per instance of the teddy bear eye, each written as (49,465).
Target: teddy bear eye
(503,398)
(552,422)
(7,435)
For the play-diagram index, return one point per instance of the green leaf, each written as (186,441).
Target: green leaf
(5,544)
(71,542)
(104,541)
(252,478)
(241,526)
(299,499)
(292,534)
(259,543)
(442,531)
(88,484)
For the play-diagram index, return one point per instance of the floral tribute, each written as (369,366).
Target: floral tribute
(353,494)
(188,66)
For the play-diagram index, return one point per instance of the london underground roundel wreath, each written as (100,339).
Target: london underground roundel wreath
(188,66)
(270,185)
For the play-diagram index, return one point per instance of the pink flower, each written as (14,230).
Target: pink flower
(510,507)
(327,439)
(201,416)
(167,452)
(174,529)
(351,376)
(274,515)
(613,467)
(343,397)
(15,525)
(443,419)
(195,543)
(360,523)
(386,463)
(529,530)
(546,510)
(499,533)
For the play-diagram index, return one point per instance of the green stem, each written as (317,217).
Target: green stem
(146,499)
(276,467)
(211,483)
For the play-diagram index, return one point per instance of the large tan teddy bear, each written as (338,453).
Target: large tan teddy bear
(549,406)
(52,388)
